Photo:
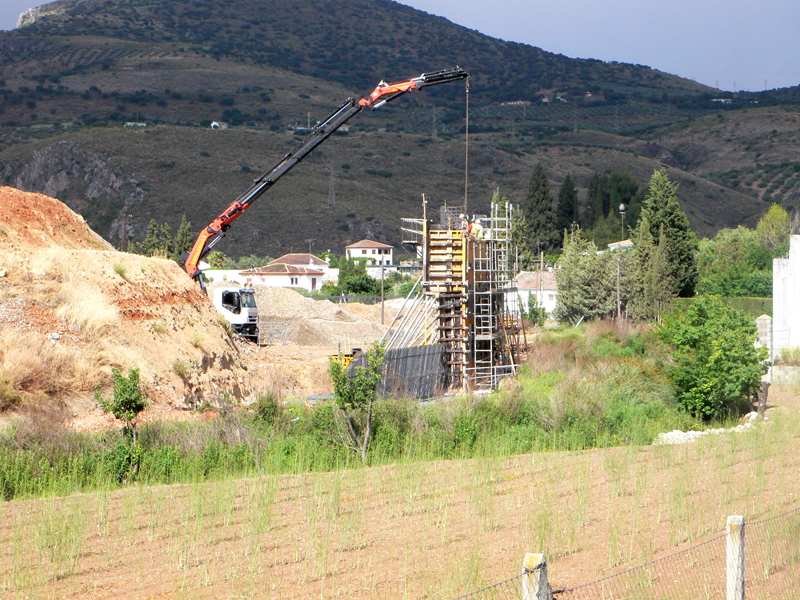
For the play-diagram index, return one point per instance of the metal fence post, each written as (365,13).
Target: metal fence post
(534,578)
(735,557)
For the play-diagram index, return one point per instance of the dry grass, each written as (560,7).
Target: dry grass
(34,368)
(86,309)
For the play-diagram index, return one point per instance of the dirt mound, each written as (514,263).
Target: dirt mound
(320,322)
(72,308)
(38,221)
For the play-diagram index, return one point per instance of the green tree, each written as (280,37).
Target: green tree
(734,263)
(774,228)
(536,313)
(717,367)
(585,280)
(127,401)
(184,240)
(652,286)
(355,397)
(595,200)
(540,231)
(152,240)
(661,209)
(165,245)
(567,207)
(353,279)
(216,259)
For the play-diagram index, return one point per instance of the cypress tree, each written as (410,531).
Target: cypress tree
(661,210)
(184,240)
(567,208)
(151,242)
(541,231)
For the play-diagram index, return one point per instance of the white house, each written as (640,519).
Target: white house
(283,275)
(785,294)
(304,259)
(372,253)
(537,284)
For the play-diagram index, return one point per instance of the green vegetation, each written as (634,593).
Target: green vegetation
(355,398)
(537,228)
(584,280)
(127,401)
(738,262)
(717,369)
(595,386)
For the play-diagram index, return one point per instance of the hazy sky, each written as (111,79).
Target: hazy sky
(716,42)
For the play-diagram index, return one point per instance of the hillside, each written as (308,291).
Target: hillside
(79,70)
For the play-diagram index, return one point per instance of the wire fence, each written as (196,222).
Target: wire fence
(510,589)
(706,570)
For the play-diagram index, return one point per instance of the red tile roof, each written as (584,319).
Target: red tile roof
(299,258)
(282,269)
(530,280)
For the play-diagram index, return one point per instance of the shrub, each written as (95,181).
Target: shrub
(181,368)
(196,339)
(119,269)
(789,356)
(717,366)
(267,408)
(127,401)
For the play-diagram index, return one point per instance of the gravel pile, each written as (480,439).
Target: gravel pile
(318,322)
(683,437)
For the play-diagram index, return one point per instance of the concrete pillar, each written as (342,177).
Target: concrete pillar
(534,578)
(735,557)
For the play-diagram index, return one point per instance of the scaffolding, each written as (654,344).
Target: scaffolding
(462,299)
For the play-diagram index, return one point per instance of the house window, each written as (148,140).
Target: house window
(363,252)
(551,296)
(292,280)
(373,251)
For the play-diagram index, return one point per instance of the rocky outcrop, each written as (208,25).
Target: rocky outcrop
(85,181)
(32,15)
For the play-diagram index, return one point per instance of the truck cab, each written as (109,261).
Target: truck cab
(238,306)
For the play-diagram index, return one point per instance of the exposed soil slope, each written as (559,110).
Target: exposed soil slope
(72,308)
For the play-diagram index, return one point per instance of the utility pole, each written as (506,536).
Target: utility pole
(382,295)
(310,243)
(619,258)
(332,189)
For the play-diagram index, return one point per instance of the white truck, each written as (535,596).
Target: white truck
(238,306)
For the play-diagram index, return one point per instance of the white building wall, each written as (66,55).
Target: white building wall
(380,256)
(786,298)
(220,275)
(546,298)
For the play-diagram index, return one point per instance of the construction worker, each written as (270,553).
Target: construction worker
(464,221)
(475,229)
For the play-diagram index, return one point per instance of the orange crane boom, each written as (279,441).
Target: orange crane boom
(385,92)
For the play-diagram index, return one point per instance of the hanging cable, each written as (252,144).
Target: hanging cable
(466,158)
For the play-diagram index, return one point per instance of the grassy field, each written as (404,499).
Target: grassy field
(432,530)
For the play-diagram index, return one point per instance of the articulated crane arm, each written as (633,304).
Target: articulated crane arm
(382,94)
